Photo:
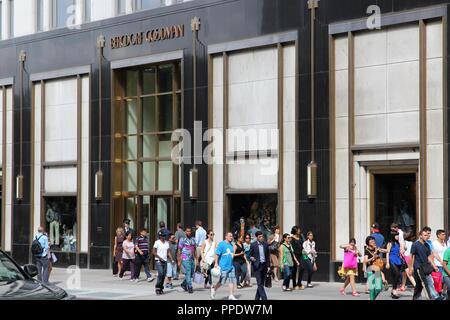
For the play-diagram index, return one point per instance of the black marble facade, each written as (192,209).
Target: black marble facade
(221,21)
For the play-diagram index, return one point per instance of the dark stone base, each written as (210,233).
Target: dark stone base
(83,260)
(21,253)
(100,258)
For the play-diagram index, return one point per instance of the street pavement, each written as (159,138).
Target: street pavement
(101,285)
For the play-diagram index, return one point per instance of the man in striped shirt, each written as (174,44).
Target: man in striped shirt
(142,250)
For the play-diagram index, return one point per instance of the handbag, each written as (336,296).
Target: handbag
(379,263)
(274,247)
(199,278)
(349,260)
(437,280)
(427,268)
(268,280)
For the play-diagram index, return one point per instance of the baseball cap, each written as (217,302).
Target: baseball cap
(161,234)
(376,226)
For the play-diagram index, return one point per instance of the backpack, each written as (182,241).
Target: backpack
(36,248)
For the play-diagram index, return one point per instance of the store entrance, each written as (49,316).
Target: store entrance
(395,198)
(146,212)
(258,211)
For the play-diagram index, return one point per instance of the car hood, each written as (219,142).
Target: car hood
(30,290)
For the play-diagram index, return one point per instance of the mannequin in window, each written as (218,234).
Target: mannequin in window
(406,216)
(54,220)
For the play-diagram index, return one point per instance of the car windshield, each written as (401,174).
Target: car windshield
(8,270)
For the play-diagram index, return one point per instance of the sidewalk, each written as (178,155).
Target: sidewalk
(100,284)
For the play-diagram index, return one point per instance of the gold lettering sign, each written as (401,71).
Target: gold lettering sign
(154,35)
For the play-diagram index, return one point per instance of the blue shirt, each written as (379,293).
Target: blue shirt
(379,239)
(421,253)
(200,236)
(225,252)
(262,257)
(394,255)
(43,240)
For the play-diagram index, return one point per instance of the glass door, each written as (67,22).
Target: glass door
(131,212)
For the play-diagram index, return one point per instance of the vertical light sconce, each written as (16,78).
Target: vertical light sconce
(99,174)
(193,184)
(193,173)
(20,178)
(312,180)
(19,187)
(99,186)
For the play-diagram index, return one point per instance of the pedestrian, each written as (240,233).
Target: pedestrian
(429,278)
(40,249)
(297,245)
(118,251)
(208,251)
(224,261)
(172,265)
(421,266)
(287,260)
(239,262)
(128,256)
(253,229)
(186,258)
(164,230)
(446,271)
(350,265)
(309,258)
(379,238)
(401,236)
(274,249)
(127,227)
(448,242)
(260,257)
(439,248)
(394,263)
(247,246)
(142,256)
(408,237)
(179,234)
(200,237)
(372,266)
(162,255)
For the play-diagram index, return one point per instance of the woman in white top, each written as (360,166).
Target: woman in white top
(208,250)
(128,256)
(407,256)
(309,257)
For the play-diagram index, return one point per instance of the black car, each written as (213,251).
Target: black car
(18,284)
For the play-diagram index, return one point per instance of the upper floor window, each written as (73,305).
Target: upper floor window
(1,19)
(40,15)
(148,4)
(87,10)
(11,18)
(121,6)
(63,13)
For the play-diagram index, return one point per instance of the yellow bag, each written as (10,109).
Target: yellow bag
(341,272)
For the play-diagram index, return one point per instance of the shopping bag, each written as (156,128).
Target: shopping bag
(199,278)
(437,280)
(268,280)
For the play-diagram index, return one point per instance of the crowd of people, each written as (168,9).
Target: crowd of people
(399,258)
(232,262)
(422,262)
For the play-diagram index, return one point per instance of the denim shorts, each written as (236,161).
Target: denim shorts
(228,276)
(171,270)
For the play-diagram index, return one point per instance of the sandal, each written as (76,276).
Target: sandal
(342,291)
(355,294)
